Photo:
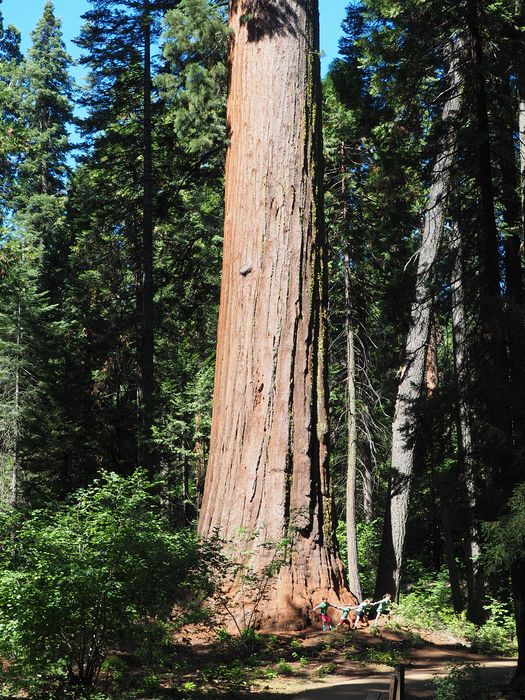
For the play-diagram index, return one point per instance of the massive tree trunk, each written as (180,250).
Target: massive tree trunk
(267,471)
(411,380)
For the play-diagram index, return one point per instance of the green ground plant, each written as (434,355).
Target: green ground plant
(284,668)
(463,683)
(326,669)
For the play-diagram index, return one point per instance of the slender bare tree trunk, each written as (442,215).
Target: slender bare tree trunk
(455,583)
(492,354)
(16,408)
(515,310)
(367,465)
(351,390)
(351,471)
(520,18)
(267,470)
(411,380)
(147,350)
(475,580)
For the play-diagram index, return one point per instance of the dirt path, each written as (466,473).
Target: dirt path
(418,682)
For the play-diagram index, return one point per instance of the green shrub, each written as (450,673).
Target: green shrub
(326,669)
(428,605)
(497,635)
(284,668)
(242,645)
(463,683)
(114,668)
(75,581)
(385,657)
(150,684)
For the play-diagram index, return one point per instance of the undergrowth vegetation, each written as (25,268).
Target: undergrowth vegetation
(463,682)
(427,606)
(87,593)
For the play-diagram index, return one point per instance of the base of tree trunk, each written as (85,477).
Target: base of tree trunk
(284,602)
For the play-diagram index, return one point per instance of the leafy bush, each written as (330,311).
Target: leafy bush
(463,683)
(497,635)
(386,657)
(76,580)
(414,640)
(428,604)
(506,537)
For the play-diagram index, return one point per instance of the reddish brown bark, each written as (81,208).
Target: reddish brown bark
(267,470)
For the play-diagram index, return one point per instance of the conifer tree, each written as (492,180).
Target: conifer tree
(267,472)
(38,250)
(12,130)
(117,37)
(42,182)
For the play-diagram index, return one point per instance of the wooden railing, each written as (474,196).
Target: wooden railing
(397,684)
(397,687)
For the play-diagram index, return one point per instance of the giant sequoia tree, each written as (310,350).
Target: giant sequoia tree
(267,471)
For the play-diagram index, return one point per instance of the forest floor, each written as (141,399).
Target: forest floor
(343,663)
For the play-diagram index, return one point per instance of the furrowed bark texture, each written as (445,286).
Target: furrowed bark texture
(411,381)
(267,471)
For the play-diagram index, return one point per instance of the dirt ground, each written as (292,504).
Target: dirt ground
(351,680)
(339,664)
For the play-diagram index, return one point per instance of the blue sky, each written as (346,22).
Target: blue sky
(24,14)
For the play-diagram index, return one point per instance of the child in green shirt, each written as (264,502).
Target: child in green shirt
(323,610)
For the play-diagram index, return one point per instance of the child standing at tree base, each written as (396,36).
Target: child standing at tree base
(344,615)
(323,610)
(383,607)
(361,613)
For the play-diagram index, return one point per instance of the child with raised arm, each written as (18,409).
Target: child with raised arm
(382,607)
(323,610)
(344,615)
(361,613)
